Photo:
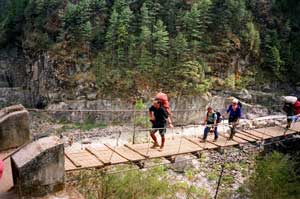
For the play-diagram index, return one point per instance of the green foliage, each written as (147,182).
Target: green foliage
(143,45)
(139,118)
(131,184)
(230,81)
(213,174)
(190,75)
(87,125)
(253,38)
(274,177)
(160,41)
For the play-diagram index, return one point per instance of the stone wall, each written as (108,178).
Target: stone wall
(185,110)
(38,168)
(14,127)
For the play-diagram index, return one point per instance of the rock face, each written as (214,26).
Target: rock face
(38,168)
(14,127)
(16,95)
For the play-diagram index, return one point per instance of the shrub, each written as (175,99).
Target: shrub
(274,177)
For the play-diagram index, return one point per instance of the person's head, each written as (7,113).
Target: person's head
(235,103)
(209,109)
(156,103)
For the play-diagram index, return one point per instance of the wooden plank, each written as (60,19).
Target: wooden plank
(295,127)
(222,141)
(174,147)
(126,153)
(69,165)
(146,155)
(272,131)
(235,138)
(106,155)
(248,138)
(203,145)
(244,132)
(84,159)
(263,131)
(73,162)
(258,134)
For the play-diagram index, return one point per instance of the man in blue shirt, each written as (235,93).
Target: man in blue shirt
(235,113)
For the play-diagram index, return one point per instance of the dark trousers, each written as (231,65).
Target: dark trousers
(206,131)
(233,122)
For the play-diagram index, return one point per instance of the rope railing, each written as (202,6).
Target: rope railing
(105,110)
(222,124)
(184,160)
(201,108)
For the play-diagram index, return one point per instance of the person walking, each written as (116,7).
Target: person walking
(211,124)
(158,117)
(235,113)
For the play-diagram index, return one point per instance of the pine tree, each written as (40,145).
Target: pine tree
(160,41)
(145,41)
(253,38)
(273,59)
(195,25)
(117,36)
(180,47)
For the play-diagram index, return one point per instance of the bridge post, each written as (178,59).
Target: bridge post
(14,127)
(38,168)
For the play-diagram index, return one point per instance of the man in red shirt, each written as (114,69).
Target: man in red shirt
(297,107)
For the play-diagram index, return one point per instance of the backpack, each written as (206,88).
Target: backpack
(289,99)
(240,104)
(163,98)
(219,117)
(288,108)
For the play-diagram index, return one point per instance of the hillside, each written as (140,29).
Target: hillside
(71,49)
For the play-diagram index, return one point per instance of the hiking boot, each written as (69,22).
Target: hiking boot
(161,149)
(203,140)
(216,139)
(155,145)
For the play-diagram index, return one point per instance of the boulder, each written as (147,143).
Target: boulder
(244,95)
(14,127)
(38,168)
(182,163)
(260,123)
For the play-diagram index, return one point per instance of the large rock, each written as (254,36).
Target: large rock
(182,163)
(14,127)
(38,168)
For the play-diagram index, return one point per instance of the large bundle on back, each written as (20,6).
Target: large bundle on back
(163,98)
(289,99)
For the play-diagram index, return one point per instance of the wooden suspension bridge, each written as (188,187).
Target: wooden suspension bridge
(101,156)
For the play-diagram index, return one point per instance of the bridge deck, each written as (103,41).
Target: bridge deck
(100,156)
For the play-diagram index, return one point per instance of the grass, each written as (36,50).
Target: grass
(232,166)
(85,126)
(190,174)
(212,176)
(227,180)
